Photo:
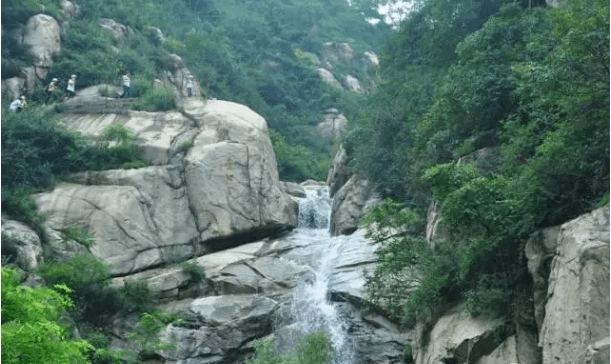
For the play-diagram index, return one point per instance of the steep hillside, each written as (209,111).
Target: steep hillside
(261,54)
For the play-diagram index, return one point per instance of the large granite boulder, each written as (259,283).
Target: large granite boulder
(348,204)
(231,173)
(226,328)
(221,191)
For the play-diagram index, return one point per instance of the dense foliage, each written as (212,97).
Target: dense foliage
(314,348)
(505,127)
(31,328)
(259,53)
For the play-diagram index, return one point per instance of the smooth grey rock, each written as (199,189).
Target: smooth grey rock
(348,204)
(293,189)
(577,309)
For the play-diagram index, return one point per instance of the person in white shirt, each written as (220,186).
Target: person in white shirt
(127,90)
(190,86)
(71,89)
(17,104)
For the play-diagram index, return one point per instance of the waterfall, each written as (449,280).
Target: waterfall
(311,307)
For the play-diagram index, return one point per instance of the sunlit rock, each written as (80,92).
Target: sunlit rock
(118,30)
(333,124)
(329,78)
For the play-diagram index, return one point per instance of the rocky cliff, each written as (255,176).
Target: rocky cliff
(565,321)
(221,191)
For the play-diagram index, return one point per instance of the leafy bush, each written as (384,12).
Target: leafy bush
(141,85)
(79,272)
(78,234)
(31,332)
(120,134)
(196,271)
(137,296)
(146,337)
(156,99)
(184,146)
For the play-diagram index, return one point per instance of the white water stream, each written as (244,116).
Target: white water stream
(311,307)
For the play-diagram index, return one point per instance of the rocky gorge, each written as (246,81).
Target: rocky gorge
(212,195)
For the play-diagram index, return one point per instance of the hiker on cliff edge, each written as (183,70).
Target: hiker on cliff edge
(190,86)
(71,89)
(127,89)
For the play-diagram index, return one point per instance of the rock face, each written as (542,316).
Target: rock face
(332,125)
(223,191)
(569,265)
(348,204)
(338,174)
(576,324)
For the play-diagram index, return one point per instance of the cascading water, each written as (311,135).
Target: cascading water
(311,307)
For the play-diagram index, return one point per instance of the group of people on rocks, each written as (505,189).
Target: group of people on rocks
(50,93)
(51,90)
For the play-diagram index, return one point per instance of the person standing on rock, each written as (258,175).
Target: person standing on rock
(190,86)
(71,89)
(127,89)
